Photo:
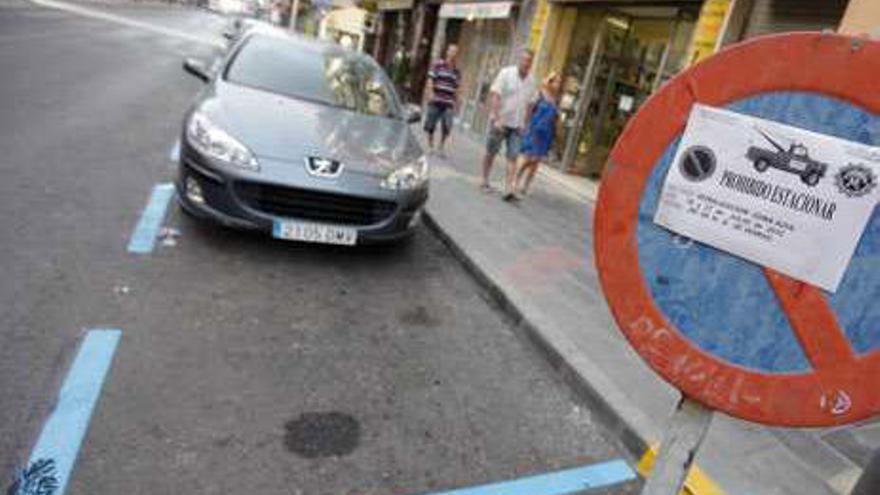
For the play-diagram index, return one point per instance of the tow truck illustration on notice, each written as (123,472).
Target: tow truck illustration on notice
(795,160)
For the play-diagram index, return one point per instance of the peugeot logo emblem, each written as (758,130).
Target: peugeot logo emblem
(323,167)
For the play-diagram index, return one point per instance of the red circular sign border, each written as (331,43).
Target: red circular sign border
(841,389)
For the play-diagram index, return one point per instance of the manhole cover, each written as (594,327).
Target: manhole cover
(324,434)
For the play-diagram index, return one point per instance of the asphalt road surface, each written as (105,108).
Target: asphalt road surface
(246,365)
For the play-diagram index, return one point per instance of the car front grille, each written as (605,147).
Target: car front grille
(317,206)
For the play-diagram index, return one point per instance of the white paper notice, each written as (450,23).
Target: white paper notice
(786,198)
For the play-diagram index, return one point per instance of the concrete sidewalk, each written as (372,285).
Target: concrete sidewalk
(535,258)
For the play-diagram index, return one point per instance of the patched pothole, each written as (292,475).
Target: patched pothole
(322,434)
(419,316)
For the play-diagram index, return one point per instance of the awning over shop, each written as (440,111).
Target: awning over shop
(334,4)
(633,3)
(350,20)
(482,10)
(395,5)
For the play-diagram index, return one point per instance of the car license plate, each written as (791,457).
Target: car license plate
(314,232)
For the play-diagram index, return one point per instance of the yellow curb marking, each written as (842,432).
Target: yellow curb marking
(697,482)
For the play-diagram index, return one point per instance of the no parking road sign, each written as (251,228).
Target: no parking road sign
(730,333)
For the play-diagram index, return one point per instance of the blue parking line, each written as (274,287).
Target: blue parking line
(174,154)
(143,239)
(63,433)
(557,483)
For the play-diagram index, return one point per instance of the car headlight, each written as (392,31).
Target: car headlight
(214,142)
(409,176)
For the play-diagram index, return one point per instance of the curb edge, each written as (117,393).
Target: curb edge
(627,434)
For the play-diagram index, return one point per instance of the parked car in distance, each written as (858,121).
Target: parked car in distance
(238,26)
(232,7)
(302,140)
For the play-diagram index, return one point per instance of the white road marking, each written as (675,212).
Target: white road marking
(118,19)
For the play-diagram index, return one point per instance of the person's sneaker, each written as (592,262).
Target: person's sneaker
(486,188)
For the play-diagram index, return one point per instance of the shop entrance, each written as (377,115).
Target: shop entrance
(475,114)
(485,46)
(394,48)
(615,59)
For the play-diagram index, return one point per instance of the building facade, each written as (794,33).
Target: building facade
(403,42)
(393,46)
(862,18)
(614,54)
(351,27)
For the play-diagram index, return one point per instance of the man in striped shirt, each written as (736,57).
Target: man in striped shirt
(443,80)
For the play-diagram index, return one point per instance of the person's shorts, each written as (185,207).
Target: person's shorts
(509,136)
(441,113)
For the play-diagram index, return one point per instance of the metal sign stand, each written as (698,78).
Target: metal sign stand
(685,433)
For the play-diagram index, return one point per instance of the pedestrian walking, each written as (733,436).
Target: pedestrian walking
(540,131)
(443,80)
(510,94)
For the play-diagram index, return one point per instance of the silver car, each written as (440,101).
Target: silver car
(303,140)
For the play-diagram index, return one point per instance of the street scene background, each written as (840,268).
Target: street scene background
(477,351)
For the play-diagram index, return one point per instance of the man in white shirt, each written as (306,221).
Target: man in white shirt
(510,94)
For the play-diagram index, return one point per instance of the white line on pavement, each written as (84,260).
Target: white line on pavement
(97,14)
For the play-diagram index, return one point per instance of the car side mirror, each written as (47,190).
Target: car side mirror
(197,68)
(413,114)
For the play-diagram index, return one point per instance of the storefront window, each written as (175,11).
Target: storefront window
(575,76)
(485,46)
(678,53)
(635,50)
(397,62)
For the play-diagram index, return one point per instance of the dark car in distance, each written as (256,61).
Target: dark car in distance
(302,140)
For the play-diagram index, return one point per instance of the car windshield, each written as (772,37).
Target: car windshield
(341,79)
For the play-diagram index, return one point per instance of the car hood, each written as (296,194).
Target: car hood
(281,128)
